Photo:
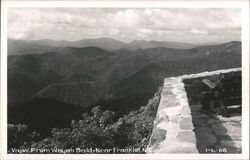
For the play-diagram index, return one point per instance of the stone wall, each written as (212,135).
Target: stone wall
(173,130)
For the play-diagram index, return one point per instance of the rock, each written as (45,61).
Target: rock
(166,91)
(174,119)
(205,135)
(229,119)
(236,138)
(227,128)
(186,124)
(232,128)
(230,143)
(219,129)
(195,108)
(185,110)
(158,136)
(171,102)
(199,122)
(170,81)
(199,115)
(213,121)
(227,137)
(161,117)
(187,136)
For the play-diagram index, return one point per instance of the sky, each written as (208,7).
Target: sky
(191,25)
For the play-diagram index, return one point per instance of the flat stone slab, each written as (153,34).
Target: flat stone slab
(227,128)
(186,124)
(195,108)
(158,136)
(232,118)
(199,122)
(199,115)
(185,110)
(166,91)
(233,128)
(171,102)
(187,136)
(228,137)
(219,129)
(231,143)
(205,135)
(213,121)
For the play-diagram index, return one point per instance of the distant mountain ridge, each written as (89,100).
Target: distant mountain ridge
(21,47)
(93,67)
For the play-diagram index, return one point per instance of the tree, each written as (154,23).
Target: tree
(18,135)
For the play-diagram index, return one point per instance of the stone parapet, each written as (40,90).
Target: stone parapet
(173,130)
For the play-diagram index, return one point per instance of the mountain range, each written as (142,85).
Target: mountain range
(21,47)
(68,80)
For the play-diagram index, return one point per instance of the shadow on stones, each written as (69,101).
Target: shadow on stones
(212,136)
(158,136)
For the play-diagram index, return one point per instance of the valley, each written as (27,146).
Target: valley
(58,83)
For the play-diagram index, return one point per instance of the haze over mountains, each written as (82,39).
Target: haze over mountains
(20,47)
(62,81)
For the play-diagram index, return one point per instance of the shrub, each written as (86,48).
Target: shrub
(18,135)
(97,130)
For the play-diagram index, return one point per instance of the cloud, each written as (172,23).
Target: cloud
(189,25)
(22,34)
(198,31)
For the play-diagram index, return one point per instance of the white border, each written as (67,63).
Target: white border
(244,5)
(132,4)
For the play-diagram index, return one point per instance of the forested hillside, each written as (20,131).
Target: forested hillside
(50,89)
